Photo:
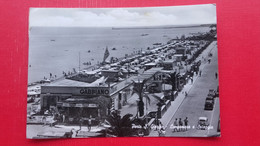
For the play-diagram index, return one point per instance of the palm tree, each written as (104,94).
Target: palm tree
(172,80)
(139,90)
(118,126)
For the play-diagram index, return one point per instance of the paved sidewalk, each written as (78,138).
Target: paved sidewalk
(166,118)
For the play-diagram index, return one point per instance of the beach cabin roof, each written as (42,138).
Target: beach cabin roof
(88,72)
(168,62)
(148,74)
(115,64)
(68,82)
(150,64)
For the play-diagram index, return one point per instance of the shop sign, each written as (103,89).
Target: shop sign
(94,91)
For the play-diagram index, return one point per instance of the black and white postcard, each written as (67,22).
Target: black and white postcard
(123,72)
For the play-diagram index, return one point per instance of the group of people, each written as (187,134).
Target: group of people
(180,125)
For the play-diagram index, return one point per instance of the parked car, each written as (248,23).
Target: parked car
(212,93)
(210,98)
(209,104)
(202,123)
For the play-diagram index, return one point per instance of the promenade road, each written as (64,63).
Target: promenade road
(193,105)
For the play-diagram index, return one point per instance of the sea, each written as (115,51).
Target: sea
(54,50)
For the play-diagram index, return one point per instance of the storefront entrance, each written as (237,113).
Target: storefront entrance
(79,110)
(75,115)
(83,112)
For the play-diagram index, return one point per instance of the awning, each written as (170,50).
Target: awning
(89,105)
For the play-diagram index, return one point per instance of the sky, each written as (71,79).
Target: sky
(122,17)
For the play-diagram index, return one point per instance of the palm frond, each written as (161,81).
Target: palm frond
(126,121)
(147,98)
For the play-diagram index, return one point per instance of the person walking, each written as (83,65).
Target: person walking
(200,73)
(180,124)
(89,122)
(216,75)
(191,80)
(63,118)
(186,123)
(175,125)
(44,121)
(80,122)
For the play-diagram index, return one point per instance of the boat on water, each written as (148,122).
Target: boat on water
(113,48)
(52,40)
(145,34)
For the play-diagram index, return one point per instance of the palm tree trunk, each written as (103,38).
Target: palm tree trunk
(141,108)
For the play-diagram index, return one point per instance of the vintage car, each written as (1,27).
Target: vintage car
(210,98)
(209,104)
(212,93)
(202,123)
